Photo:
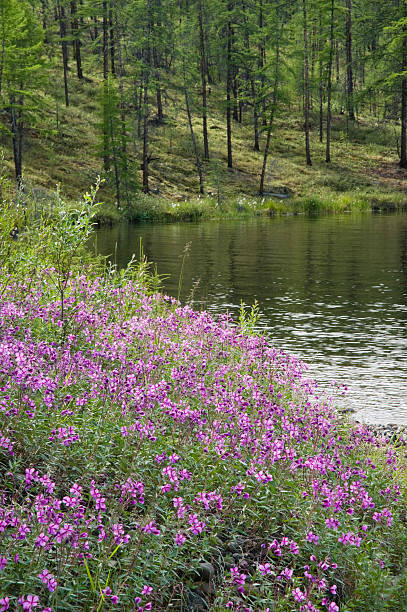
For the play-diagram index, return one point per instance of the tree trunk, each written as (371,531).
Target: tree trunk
(122,106)
(235,101)
(95,28)
(403,151)
(105,42)
(203,67)
(329,87)
(17,134)
(272,114)
(194,145)
(160,115)
(321,83)
(112,42)
(76,41)
(140,113)
(106,156)
(3,44)
(306,84)
(262,56)
(349,69)
(64,47)
(44,18)
(115,165)
(146,187)
(147,62)
(256,145)
(229,87)
(337,62)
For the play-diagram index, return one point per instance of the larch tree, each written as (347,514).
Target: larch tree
(21,71)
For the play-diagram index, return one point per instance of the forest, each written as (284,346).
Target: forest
(177,98)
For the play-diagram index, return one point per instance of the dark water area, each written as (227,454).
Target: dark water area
(332,290)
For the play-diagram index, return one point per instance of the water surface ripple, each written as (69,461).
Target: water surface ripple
(332,290)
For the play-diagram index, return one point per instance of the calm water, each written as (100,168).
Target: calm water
(332,290)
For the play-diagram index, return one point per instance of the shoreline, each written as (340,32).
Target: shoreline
(153,209)
(391,432)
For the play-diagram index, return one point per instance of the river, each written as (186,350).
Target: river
(331,290)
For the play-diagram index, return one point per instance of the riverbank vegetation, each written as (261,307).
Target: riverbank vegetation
(218,99)
(155,458)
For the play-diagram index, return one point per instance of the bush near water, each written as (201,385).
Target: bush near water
(157,458)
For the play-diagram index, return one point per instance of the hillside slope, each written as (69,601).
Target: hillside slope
(65,149)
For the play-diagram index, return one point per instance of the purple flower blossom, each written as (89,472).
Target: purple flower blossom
(147,590)
(312,537)
(332,523)
(48,580)
(179,538)
(4,603)
(151,528)
(238,579)
(287,573)
(29,603)
(298,595)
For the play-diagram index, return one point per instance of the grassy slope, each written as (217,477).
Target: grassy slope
(364,167)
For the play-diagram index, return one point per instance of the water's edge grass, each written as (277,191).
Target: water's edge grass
(152,208)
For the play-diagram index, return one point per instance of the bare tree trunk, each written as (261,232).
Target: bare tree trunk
(313,46)
(122,106)
(105,42)
(106,156)
(193,139)
(235,101)
(112,42)
(147,61)
(229,87)
(321,84)
(76,41)
(338,72)
(115,166)
(3,44)
(349,68)
(329,87)
(146,187)
(64,47)
(403,151)
(262,55)
(272,114)
(203,66)
(256,145)
(95,28)
(250,79)
(17,133)
(306,84)
(140,113)
(44,18)
(157,65)
(160,115)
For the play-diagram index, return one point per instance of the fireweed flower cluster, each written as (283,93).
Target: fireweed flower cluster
(144,432)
